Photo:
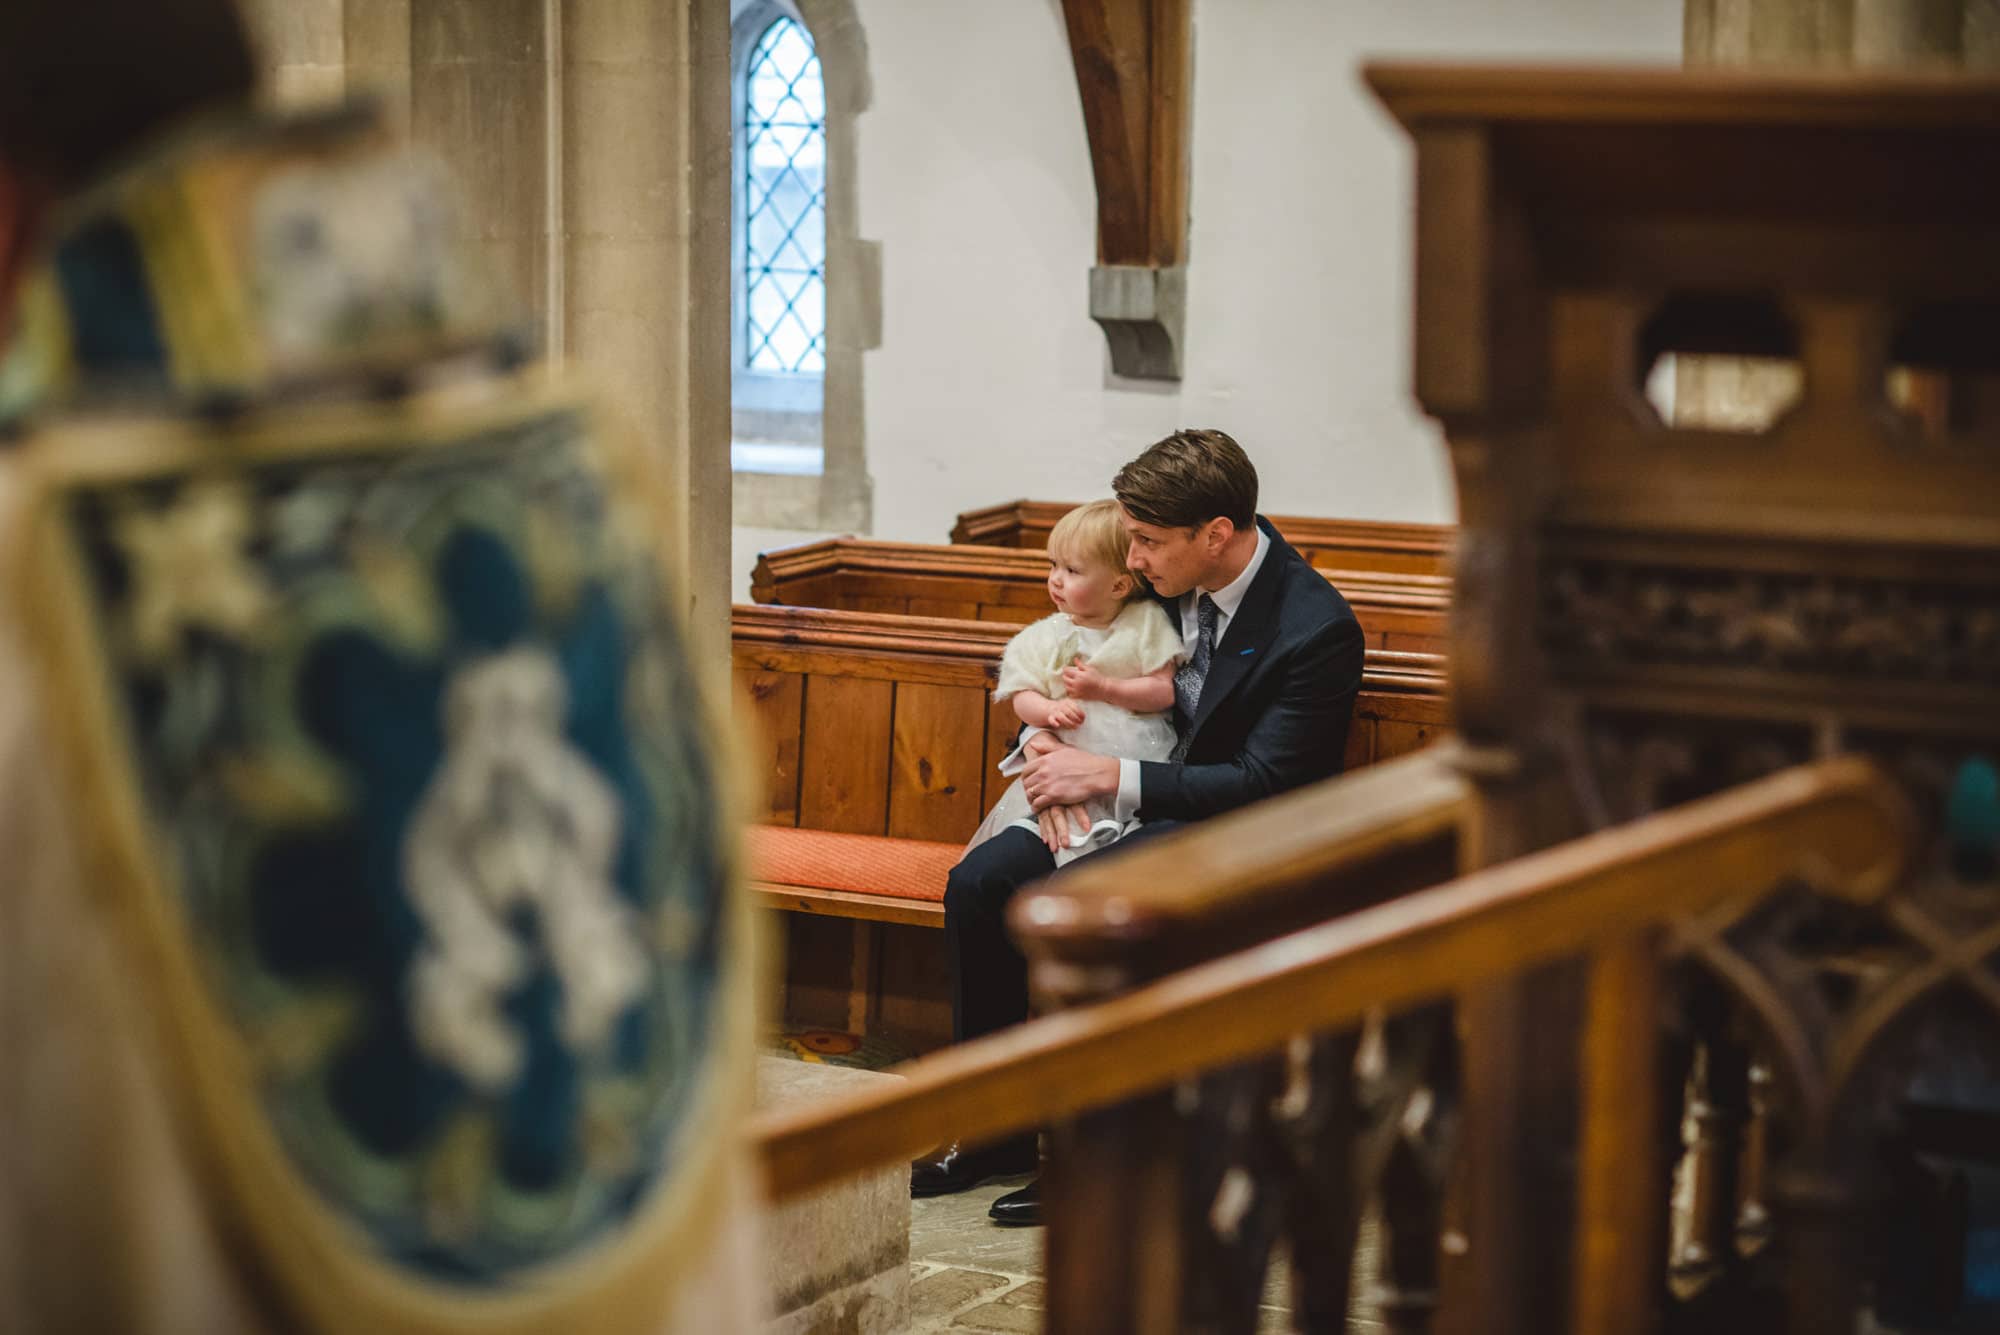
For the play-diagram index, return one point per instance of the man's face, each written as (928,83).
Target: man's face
(1173,560)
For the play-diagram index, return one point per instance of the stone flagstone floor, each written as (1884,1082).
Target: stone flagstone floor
(968,1275)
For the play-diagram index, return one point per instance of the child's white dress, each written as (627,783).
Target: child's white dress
(1141,639)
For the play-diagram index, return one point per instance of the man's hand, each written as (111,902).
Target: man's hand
(1068,777)
(1065,714)
(1057,822)
(1041,743)
(1081,681)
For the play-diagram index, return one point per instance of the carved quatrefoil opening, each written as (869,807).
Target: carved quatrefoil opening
(1720,362)
(1838,1041)
(1943,376)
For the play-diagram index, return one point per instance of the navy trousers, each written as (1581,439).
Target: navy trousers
(989,977)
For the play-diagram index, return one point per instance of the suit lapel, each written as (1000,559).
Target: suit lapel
(1247,636)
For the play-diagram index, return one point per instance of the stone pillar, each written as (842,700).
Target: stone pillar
(1980,37)
(301,48)
(1906,34)
(1731,393)
(1767,32)
(590,143)
(377,40)
(643,187)
(1876,34)
(479,101)
(853,269)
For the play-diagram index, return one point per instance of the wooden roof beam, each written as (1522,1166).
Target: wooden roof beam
(1133,75)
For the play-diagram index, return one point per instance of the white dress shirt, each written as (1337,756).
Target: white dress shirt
(1227,599)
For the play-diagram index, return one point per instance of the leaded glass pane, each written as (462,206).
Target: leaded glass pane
(784,205)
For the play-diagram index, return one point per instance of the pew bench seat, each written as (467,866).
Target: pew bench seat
(871,877)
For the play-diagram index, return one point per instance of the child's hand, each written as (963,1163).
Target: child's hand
(1065,714)
(1057,822)
(1082,682)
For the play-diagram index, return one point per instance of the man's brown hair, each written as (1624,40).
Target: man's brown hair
(85,82)
(1187,479)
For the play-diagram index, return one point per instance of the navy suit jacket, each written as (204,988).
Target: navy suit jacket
(1276,704)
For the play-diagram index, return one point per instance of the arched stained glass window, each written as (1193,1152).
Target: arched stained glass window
(784,204)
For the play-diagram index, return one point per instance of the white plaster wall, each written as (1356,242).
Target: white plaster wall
(991,381)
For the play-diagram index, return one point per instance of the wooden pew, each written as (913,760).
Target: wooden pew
(1398,611)
(876,745)
(1336,544)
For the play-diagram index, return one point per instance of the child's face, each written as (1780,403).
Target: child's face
(1086,589)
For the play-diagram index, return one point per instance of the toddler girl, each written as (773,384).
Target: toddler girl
(1099,673)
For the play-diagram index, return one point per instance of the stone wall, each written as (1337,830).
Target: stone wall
(590,142)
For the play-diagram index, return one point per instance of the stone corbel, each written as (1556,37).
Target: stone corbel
(1132,72)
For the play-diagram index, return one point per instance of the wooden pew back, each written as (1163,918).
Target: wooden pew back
(872,723)
(1334,544)
(1398,611)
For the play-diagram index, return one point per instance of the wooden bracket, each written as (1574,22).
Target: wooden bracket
(1132,72)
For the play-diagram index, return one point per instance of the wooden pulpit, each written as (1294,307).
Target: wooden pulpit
(1716,357)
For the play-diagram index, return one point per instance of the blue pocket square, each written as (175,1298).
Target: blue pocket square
(1246,653)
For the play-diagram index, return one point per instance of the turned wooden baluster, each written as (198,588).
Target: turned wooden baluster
(1753,1219)
(1819,1244)
(1411,1112)
(1590,897)
(1717,1114)
(1405,1295)
(1316,1120)
(1163,1212)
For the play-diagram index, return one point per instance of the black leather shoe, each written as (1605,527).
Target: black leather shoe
(1018,1208)
(956,1167)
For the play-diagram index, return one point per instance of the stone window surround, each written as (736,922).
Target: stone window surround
(840,497)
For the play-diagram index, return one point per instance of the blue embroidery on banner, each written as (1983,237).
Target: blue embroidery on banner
(426,754)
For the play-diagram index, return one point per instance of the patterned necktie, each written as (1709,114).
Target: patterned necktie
(1187,681)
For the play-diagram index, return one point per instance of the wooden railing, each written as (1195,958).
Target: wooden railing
(1837,823)
(1114,1188)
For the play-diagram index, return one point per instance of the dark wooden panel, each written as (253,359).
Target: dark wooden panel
(914,1003)
(944,607)
(820,957)
(934,782)
(1002,726)
(898,605)
(1426,707)
(775,705)
(1360,742)
(845,755)
(1011,613)
(1399,737)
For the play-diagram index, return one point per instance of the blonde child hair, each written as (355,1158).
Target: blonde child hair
(1094,533)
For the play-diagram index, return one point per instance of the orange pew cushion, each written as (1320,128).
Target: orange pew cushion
(866,864)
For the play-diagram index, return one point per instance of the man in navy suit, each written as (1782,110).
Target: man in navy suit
(1261,706)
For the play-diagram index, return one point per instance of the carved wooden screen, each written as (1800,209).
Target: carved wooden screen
(1652,605)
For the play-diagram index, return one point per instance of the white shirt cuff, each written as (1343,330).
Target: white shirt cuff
(1128,791)
(1017,759)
